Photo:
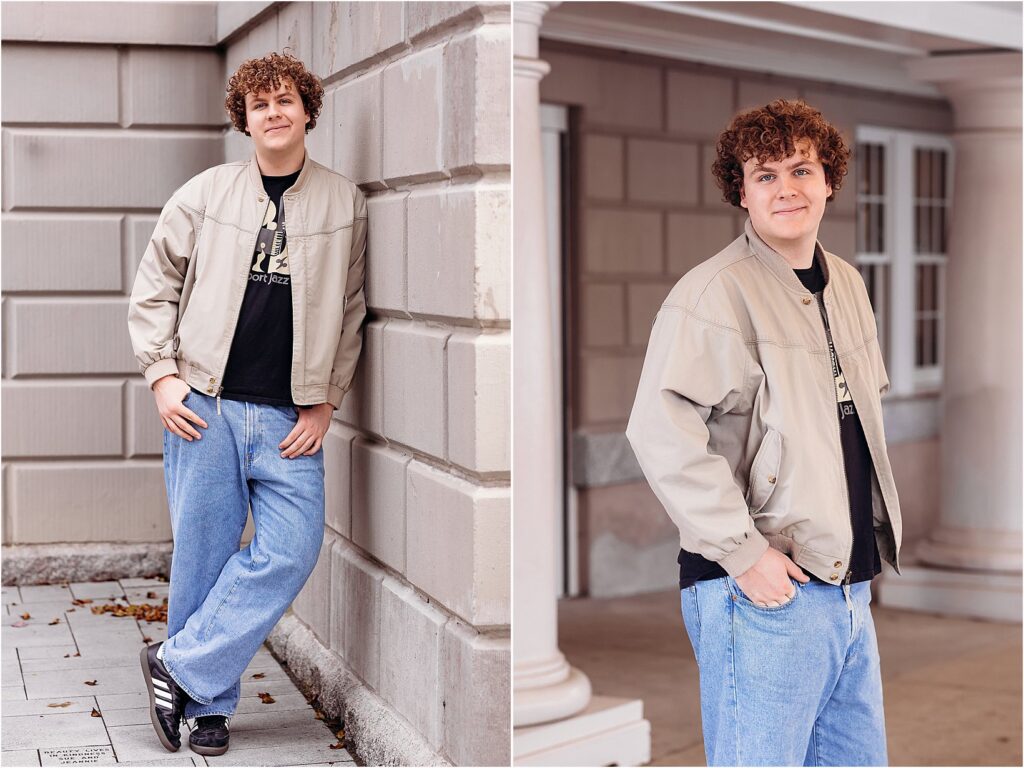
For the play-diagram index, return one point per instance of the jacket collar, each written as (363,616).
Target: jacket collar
(257,181)
(778,265)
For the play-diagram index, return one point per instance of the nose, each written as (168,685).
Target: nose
(786,187)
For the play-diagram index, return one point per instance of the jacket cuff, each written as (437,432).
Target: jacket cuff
(741,559)
(167,366)
(335,395)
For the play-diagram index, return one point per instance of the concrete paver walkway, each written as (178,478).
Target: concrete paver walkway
(74,693)
(951,687)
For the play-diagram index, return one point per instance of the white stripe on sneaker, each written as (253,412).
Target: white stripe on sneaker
(160,703)
(161,683)
(164,697)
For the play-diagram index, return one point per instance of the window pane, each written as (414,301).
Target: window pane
(880,176)
(919,228)
(922,173)
(923,343)
(926,288)
(943,163)
(862,160)
(880,231)
(942,230)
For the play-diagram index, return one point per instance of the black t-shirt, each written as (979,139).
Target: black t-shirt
(865,561)
(259,368)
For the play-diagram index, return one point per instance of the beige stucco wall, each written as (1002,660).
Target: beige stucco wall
(105,114)
(648,210)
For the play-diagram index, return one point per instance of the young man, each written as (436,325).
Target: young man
(246,320)
(758,423)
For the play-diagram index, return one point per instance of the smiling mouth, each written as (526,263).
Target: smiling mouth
(789,211)
(278,128)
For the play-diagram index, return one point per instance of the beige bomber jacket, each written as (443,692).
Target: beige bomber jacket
(735,422)
(190,283)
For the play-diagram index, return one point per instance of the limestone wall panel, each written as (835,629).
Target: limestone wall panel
(58,84)
(62,253)
(81,501)
(410,655)
(62,418)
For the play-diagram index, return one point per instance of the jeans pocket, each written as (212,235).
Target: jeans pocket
(740,597)
(691,618)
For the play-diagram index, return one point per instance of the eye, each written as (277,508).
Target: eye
(804,171)
(764,176)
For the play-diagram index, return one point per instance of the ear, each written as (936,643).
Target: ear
(743,198)
(828,190)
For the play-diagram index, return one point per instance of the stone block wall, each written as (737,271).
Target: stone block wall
(105,114)
(647,211)
(411,591)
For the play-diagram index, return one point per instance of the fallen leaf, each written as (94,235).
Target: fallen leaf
(259,676)
(77,653)
(266,698)
(151,595)
(336,746)
(20,624)
(72,610)
(62,704)
(90,682)
(55,621)
(147,640)
(67,655)
(143,612)
(319,714)
(341,735)
(26,615)
(76,601)
(95,713)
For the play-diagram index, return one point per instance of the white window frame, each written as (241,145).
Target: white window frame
(898,319)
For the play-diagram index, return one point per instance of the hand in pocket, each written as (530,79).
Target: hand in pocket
(170,393)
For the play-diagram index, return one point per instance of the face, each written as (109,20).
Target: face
(276,121)
(786,199)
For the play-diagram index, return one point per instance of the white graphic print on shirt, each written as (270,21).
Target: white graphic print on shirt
(270,262)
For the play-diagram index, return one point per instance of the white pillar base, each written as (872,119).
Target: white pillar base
(949,592)
(609,731)
(971,549)
(552,702)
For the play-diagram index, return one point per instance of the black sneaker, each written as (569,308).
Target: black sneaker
(167,699)
(210,736)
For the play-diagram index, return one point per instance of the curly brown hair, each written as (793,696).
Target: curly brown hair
(265,74)
(768,133)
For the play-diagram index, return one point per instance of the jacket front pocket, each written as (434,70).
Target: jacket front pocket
(764,471)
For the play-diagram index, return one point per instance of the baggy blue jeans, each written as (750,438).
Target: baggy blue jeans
(796,684)
(223,601)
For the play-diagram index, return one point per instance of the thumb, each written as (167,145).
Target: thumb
(796,571)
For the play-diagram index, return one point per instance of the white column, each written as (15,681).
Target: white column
(971,563)
(547,688)
(556,719)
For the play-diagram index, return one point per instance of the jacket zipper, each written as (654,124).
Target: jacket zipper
(833,364)
(238,312)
